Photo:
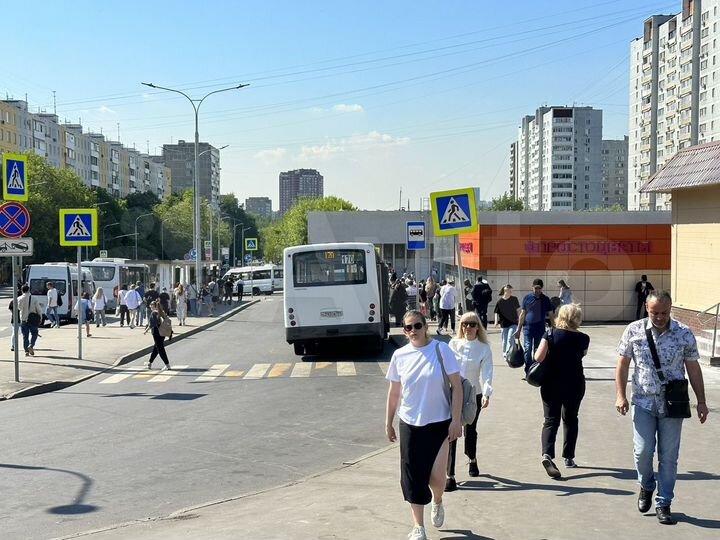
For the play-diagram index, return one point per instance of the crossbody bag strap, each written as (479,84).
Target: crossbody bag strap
(446,379)
(653,351)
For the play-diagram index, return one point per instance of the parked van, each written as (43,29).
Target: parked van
(64,276)
(258,279)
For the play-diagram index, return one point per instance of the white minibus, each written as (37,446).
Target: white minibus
(111,274)
(258,279)
(332,291)
(64,277)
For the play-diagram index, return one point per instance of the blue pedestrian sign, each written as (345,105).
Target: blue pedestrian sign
(78,227)
(454,212)
(251,244)
(14,174)
(416,235)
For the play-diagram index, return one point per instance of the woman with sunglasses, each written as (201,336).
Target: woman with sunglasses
(474,358)
(427,423)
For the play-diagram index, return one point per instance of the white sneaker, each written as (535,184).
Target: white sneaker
(437,514)
(418,533)
(165,368)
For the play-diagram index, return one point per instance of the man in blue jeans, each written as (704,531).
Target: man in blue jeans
(534,310)
(677,353)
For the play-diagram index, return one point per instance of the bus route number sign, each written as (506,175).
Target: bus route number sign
(348,259)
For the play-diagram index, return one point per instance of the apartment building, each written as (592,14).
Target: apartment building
(614,172)
(180,159)
(98,162)
(260,206)
(558,160)
(299,183)
(674,93)
(514,170)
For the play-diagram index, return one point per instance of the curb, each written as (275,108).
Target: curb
(53,386)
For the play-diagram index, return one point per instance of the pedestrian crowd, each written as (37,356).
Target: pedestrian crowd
(543,335)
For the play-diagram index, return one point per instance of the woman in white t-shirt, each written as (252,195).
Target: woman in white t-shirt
(419,395)
(474,358)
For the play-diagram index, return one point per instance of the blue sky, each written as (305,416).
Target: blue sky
(378,96)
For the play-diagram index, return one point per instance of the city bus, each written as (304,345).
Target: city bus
(111,274)
(332,291)
(263,279)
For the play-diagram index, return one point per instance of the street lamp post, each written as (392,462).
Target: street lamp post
(234,242)
(196,181)
(103,235)
(136,233)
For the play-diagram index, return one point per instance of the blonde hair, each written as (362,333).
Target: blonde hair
(471,316)
(569,317)
(98,293)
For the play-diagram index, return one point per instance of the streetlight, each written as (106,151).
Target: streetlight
(136,233)
(196,181)
(87,248)
(234,242)
(105,227)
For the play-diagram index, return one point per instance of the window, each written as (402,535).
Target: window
(333,267)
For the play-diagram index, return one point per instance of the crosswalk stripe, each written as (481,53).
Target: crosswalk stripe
(213,373)
(127,372)
(234,373)
(166,375)
(279,369)
(257,371)
(301,369)
(346,369)
(323,365)
(384,367)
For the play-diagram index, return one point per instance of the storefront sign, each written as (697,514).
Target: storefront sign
(601,247)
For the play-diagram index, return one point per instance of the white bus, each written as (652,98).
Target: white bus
(332,291)
(64,277)
(111,274)
(263,279)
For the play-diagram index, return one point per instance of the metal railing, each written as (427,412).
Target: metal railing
(715,307)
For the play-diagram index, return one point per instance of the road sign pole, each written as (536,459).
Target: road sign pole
(80,315)
(16,323)
(461,283)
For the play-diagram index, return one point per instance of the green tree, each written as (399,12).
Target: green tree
(292,230)
(504,203)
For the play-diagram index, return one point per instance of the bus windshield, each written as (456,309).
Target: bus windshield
(329,267)
(103,273)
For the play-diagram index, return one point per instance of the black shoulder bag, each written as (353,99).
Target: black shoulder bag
(536,373)
(677,397)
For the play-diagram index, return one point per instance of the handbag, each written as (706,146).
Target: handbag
(535,375)
(516,355)
(165,328)
(469,401)
(33,318)
(677,395)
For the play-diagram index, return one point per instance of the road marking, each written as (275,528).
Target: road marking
(127,372)
(233,374)
(257,371)
(384,367)
(279,370)
(323,365)
(213,373)
(301,369)
(166,375)
(346,369)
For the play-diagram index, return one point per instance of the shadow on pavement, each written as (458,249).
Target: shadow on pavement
(463,533)
(696,521)
(560,485)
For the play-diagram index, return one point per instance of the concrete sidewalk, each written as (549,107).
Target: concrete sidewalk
(512,499)
(56,365)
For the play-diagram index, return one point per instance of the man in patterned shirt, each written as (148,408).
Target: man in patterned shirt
(677,351)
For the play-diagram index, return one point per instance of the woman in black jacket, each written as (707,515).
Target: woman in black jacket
(398,301)
(157,315)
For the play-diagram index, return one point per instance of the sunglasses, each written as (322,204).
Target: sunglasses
(416,326)
(471,324)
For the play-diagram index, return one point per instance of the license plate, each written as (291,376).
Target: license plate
(331,314)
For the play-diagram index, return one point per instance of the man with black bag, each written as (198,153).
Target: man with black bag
(663,350)
(30,319)
(481,296)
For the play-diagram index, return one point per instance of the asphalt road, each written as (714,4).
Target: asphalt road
(114,450)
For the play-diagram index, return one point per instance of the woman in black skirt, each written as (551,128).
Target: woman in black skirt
(427,424)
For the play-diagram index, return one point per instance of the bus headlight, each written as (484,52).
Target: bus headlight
(372,312)
(291,317)
(293,323)
(371,319)
(291,310)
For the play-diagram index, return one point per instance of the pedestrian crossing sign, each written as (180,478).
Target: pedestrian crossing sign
(78,227)
(251,244)
(14,174)
(454,212)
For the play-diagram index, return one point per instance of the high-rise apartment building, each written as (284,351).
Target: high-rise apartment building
(180,159)
(559,159)
(514,170)
(299,183)
(614,172)
(260,206)
(674,92)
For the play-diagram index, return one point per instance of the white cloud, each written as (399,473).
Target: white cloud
(379,139)
(321,151)
(104,109)
(271,155)
(365,142)
(343,108)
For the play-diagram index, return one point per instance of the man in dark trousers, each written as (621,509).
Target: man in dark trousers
(481,296)
(535,308)
(643,288)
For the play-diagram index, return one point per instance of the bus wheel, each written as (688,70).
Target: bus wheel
(299,348)
(256,291)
